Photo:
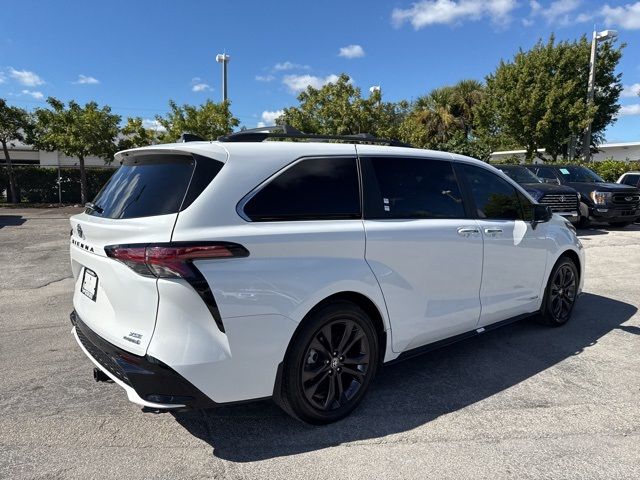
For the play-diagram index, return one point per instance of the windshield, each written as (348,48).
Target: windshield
(520,174)
(573,173)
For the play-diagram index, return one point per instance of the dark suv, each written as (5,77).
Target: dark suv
(562,199)
(600,201)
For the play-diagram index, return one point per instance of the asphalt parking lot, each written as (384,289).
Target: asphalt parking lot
(522,402)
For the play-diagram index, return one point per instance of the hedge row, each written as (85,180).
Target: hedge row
(40,185)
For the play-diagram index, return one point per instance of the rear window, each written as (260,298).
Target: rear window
(149,185)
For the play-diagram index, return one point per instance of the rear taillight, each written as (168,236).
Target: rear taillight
(172,260)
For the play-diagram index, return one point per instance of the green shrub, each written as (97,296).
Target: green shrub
(40,184)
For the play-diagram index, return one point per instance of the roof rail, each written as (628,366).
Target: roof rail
(287,131)
(190,137)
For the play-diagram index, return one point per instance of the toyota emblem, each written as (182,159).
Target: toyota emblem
(80,233)
(561,198)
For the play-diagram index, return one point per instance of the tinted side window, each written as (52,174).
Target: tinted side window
(495,198)
(631,179)
(411,187)
(312,189)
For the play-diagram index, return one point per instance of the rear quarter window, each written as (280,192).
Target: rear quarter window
(311,189)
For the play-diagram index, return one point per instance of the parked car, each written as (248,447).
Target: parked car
(630,178)
(562,199)
(600,201)
(208,273)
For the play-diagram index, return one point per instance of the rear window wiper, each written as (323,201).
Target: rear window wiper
(93,207)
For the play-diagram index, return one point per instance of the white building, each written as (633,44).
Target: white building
(629,151)
(22,154)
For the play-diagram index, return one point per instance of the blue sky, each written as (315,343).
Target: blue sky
(136,55)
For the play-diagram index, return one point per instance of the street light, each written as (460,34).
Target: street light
(376,88)
(597,36)
(224,59)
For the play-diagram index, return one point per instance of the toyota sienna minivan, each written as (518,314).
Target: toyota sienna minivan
(213,272)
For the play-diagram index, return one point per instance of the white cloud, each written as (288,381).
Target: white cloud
(298,83)
(627,110)
(558,12)
(282,66)
(2,78)
(197,85)
(86,80)
(153,125)
(33,93)
(631,90)
(433,12)
(351,51)
(265,78)
(627,16)
(269,118)
(25,77)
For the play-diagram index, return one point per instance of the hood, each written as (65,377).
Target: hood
(603,187)
(545,188)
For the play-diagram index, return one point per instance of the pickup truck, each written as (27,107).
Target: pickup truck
(600,201)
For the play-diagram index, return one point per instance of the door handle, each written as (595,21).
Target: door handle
(492,231)
(466,231)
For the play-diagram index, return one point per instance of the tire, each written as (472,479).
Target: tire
(620,224)
(330,364)
(583,221)
(560,294)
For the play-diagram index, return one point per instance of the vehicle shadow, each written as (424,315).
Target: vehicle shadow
(11,220)
(415,392)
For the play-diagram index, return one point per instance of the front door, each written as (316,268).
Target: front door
(515,253)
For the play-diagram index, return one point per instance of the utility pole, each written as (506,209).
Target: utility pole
(597,36)
(224,59)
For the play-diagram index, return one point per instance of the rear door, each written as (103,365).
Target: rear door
(424,250)
(138,205)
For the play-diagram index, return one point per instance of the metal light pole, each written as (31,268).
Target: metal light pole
(597,36)
(224,59)
(376,88)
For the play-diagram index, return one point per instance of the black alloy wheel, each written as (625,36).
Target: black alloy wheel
(335,364)
(330,365)
(561,293)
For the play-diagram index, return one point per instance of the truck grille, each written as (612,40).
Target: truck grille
(102,358)
(625,198)
(567,202)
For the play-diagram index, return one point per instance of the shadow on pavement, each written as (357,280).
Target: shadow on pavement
(11,220)
(412,393)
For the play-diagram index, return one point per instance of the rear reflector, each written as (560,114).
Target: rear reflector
(172,260)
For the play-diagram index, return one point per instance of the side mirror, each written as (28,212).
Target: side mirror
(541,214)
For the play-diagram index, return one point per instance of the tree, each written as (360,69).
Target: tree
(13,122)
(76,131)
(338,108)
(538,100)
(210,120)
(134,134)
(444,119)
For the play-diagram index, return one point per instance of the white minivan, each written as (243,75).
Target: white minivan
(215,272)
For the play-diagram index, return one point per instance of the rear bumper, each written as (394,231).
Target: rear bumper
(147,381)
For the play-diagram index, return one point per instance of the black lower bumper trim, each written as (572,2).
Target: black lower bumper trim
(152,380)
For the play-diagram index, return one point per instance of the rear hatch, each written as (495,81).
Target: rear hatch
(139,205)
